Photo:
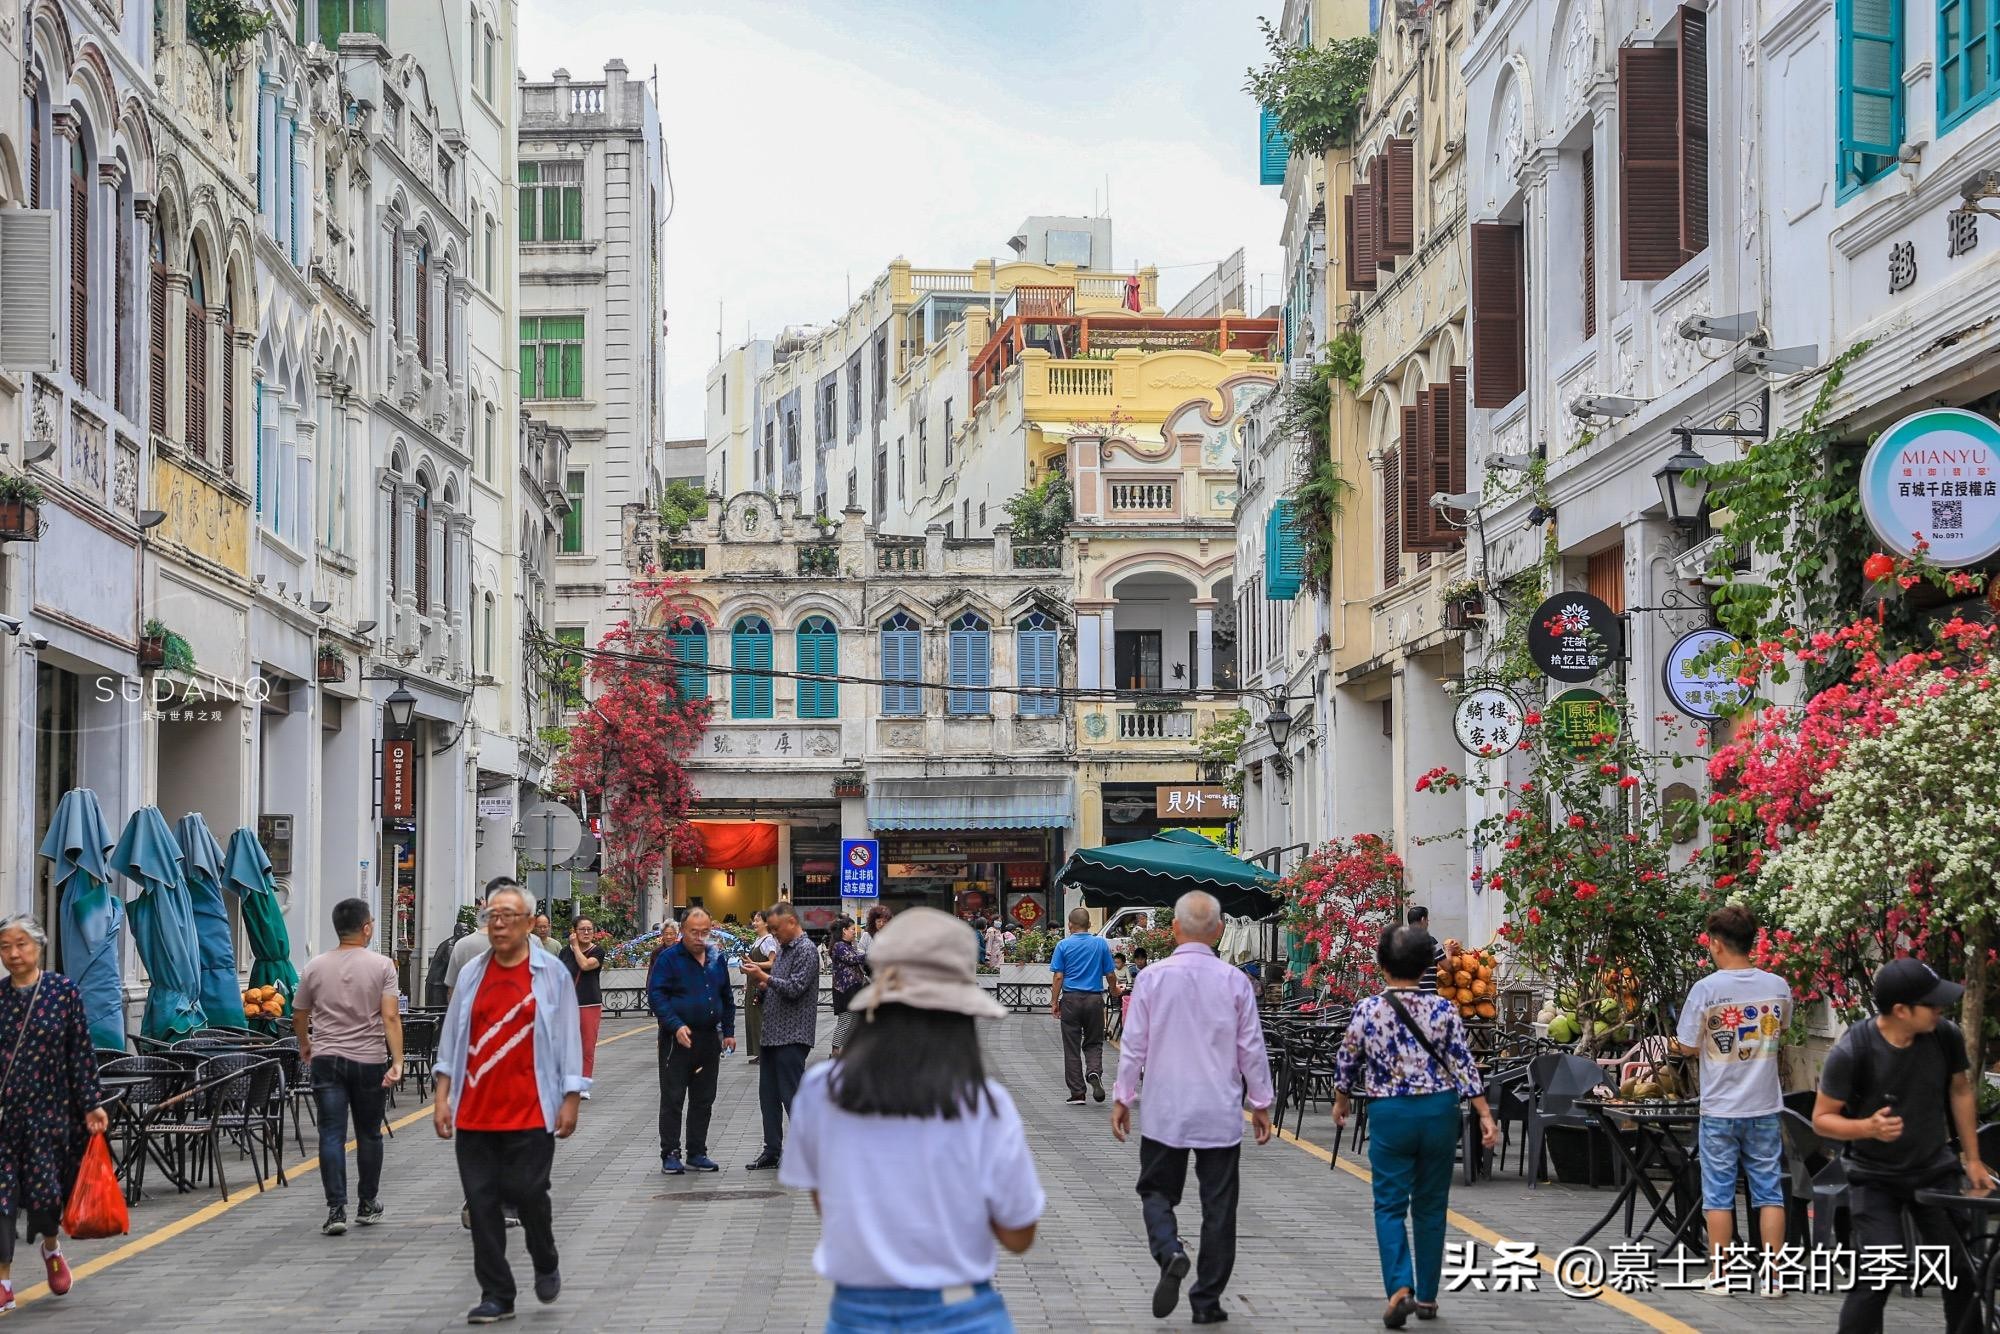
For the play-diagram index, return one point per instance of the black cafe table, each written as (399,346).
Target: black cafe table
(1647,1135)
(1974,1219)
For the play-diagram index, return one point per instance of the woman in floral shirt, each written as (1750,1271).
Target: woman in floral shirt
(848,978)
(1413,1085)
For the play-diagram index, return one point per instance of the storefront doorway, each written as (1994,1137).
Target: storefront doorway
(972,873)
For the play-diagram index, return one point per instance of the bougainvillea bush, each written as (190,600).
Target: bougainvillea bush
(1338,900)
(1865,822)
(626,749)
(1596,905)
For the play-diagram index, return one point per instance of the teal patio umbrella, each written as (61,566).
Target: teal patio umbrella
(247,874)
(91,918)
(201,859)
(1153,872)
(162,926)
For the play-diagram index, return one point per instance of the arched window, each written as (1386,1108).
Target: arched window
(689,646)
(902,662)
(422,546)
(156,333)
(423,302)
(195,426)
(970,665)
(1036,641)
(819,654)
(34,152)
(79,264)
(750,660)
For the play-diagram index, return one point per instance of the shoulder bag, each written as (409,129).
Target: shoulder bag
(1423,1040)
(27,1016)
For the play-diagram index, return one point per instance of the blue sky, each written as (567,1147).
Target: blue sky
(812,143)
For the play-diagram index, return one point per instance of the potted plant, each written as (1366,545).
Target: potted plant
(1464,604)
(20,509)
(332,666)
(153,645)
(849,787)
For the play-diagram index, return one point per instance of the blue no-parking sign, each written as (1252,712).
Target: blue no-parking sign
(860,868)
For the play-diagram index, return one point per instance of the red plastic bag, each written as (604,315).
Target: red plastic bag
(97,1205)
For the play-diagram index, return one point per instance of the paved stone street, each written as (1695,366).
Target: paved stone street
(644,1252)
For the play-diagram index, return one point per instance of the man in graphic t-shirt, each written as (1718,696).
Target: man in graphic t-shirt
(1735,1019)
(509,1076)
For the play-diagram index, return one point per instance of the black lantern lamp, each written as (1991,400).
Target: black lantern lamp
(401,707)
(1682,487)
(1280,722)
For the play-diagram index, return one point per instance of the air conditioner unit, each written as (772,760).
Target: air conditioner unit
(1299,370)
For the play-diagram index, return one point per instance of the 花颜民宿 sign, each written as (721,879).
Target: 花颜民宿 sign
(1934,477)
(1574,636)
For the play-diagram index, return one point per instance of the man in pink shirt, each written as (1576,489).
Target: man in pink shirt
(1192,1032)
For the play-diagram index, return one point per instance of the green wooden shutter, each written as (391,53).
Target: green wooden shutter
(572,213)
(750,656)
(528,380)
(530,173)
(818,653)
(1274,148)
(1871,90)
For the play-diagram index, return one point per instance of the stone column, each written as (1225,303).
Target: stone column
(785,885)
(1089,661)
(387,521)
(301,181)
(177,350)
(1107,649)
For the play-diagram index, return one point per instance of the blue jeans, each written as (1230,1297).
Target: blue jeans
(1412,1143)
(914,1311)
(341,1086)
(1752,1143)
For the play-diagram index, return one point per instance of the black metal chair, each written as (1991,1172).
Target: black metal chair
(420,1044)
(298,1086)
(1556,1082)
(155,1080)
(251,1111)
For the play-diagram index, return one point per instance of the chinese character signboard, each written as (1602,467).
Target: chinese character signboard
(860,869)
(1581,720)
(1935,477)
(1027,911)
(1194,803)
(1488,722)
(1704,695)
(399,780)
(1574,636)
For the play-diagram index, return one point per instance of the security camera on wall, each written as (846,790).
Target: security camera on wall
(11,624)
(1605,405)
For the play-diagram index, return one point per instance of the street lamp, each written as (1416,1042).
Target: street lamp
(401,707)
(1280,723)
(1681,487)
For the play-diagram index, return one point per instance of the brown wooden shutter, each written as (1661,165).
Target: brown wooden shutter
(1499,331)
(1693,132)
(1363,277)
(1378,172)
(196,428)
(156,350)
(1419,519)
(228,404)
(1360,276)
(121,297)
(423,295)
(1606,577)
(79,278)
(1447,470)
(1649,202)
(1392,514)
(423,553)
(1454,392)
(1399,158)
(396,285)
(1589,242)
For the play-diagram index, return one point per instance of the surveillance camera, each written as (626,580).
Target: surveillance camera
(1605,405)
(1725,328)
(11,624)
(37,642)
(1463,500)
(1776,360)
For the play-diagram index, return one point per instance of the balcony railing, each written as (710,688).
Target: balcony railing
(1079,381)
(896,557)
(819,559)
(1142,497)
(1153,725)
(941,280)
(679,558)
(1033,301)
(1038,558)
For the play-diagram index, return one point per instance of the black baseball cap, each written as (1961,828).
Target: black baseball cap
(1911,982)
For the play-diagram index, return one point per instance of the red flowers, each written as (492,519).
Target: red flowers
(1533,719)
(1628,782)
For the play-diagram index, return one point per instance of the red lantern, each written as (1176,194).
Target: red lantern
(1877,568)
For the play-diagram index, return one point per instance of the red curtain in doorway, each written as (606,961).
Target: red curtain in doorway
(737,847)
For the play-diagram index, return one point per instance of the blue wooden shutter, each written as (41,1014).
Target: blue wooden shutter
(1284,554)
(750,690)
(1871,89)
(818,653)
(902,660)
(1274,148)
(971,666)
(690,647)
(1035,657)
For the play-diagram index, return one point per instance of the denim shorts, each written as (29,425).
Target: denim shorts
(1751,1143)
(975,1310)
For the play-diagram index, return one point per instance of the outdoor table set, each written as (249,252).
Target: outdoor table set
(1646,1137)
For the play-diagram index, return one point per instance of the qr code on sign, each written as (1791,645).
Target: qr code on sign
(1947,516)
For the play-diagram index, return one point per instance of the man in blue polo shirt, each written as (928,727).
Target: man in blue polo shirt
(1082,969)
(688,985)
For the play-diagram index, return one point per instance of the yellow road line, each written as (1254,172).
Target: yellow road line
(1617,1301)
(168,1231)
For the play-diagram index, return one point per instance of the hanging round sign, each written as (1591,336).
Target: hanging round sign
(1574,636)
(1935,477)
(1703,695)
(1580,720)
(1488,721)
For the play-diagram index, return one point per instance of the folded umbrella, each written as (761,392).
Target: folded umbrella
(162,926)
(246,873)
(92,920)
(202,860)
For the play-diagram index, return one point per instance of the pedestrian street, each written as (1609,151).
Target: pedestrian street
(733,1252)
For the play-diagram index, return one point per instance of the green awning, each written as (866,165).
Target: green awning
(1153,872)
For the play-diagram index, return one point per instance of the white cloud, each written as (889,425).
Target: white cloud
(810,146)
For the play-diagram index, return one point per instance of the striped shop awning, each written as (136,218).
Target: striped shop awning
(969,803)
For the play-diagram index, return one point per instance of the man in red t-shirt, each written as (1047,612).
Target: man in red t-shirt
(509,1076)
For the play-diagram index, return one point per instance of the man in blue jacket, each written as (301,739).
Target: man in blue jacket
(696,1009)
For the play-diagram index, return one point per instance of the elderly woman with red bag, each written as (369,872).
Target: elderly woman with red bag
(49,1099)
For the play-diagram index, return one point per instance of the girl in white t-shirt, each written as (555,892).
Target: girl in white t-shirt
(918,1164)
